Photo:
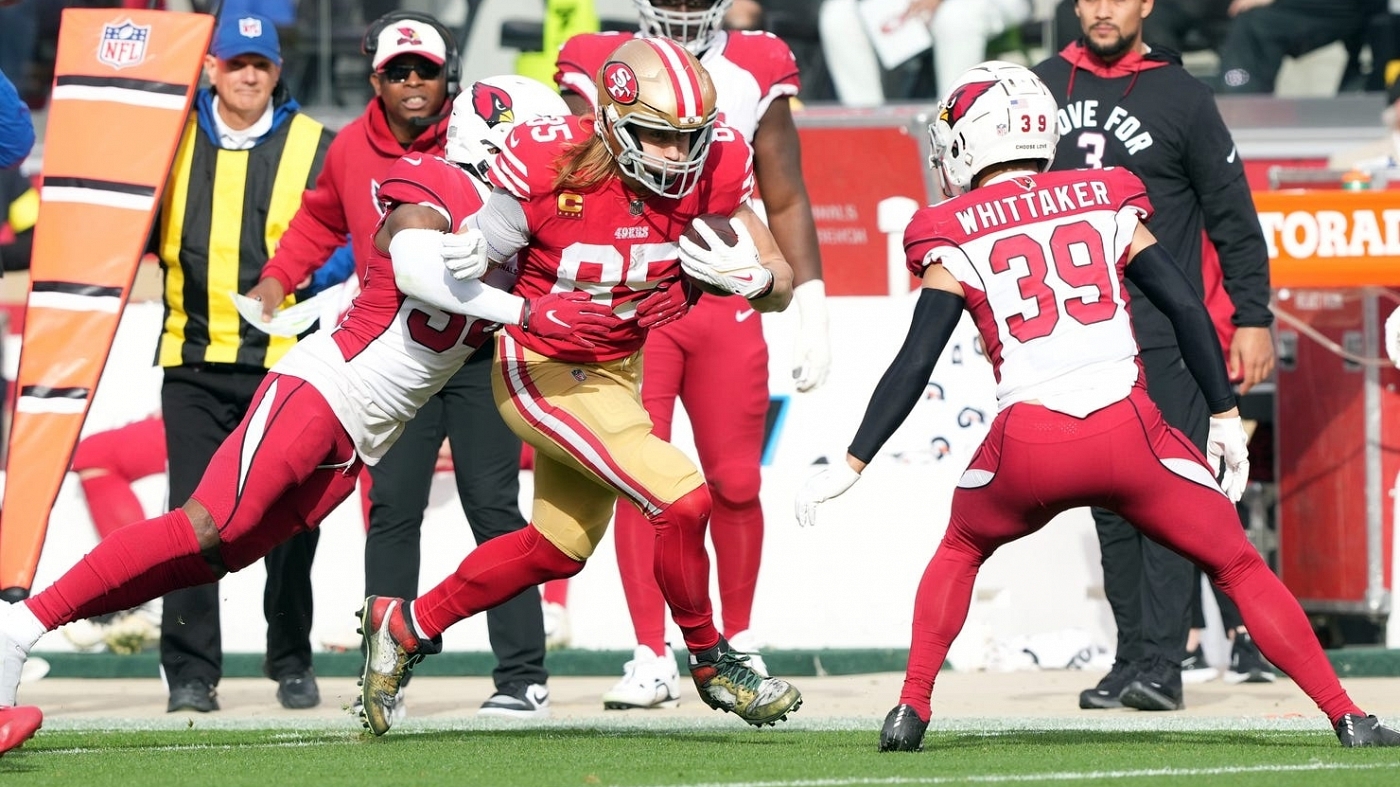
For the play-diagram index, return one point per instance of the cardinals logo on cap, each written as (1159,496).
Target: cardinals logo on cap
(962,100)
(492,104)
(408,35)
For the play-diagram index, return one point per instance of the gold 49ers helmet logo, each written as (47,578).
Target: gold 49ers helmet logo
(620,82)
(492,104)
(962,100)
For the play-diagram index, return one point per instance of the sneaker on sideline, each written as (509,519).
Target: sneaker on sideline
(518,701)
(1194,668)
(726,681)
(648,681)
(1247,664)
(1110,687)
(1157,686)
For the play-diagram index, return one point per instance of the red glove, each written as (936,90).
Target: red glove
(667,303)
(573,315)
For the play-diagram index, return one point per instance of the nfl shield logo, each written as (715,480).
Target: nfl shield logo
(579,375)
(123,44)
(250,27)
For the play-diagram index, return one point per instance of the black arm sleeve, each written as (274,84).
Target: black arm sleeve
(1154,272)
(935,316)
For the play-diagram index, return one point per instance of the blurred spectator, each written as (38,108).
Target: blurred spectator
(19,26)
(960,31)
(1382,153)
(1264,32)
(16,127)
(794,22)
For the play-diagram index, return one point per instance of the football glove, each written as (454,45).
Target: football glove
(1227,443)
(667,303)
(735,269)
(829,483)
(464,254)
(568,315)
(1392,336)
(812,356)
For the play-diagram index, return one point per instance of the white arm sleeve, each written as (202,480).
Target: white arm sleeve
(502,222)
(419,273)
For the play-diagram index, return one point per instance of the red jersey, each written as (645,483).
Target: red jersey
(345,199)
(610,242)
(392,353)
(750,69)
(1040,259)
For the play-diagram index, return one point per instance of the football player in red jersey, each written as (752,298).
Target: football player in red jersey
(335,402)
(1040,259)
(598,207)
(755,76)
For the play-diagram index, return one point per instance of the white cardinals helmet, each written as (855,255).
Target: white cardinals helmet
(484,114)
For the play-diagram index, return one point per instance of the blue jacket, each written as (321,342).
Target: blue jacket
(16,129)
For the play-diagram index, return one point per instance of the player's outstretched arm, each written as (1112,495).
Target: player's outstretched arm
(936,315)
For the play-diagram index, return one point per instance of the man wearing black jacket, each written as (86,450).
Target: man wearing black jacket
(1124,104)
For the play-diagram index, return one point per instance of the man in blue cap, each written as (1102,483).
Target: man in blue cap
(245,137)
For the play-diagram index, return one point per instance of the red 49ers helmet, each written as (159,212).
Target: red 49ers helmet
(658,84)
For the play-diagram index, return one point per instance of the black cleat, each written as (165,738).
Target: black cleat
(903,730)
(1247,664)
(1356,731)
(1157,687)
(1110,688)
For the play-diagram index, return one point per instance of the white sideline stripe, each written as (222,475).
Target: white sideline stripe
(1054,776)
(118,95)
(73,302)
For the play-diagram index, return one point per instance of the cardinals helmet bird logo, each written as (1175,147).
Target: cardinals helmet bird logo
(492,104)
(408,35)
(962,99)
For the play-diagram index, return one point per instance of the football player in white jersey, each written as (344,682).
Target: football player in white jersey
(1039,260)
(334,403)
(755,77)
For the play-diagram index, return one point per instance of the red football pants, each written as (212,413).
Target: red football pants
(1036,463)
(715,362)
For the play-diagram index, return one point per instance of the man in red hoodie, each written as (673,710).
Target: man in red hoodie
(415,62)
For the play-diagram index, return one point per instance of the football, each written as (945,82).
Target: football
(718,223)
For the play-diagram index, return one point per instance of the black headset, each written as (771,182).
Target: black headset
(453,65)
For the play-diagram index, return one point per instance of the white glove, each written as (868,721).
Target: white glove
(1227,442)
(1392,336)
(829,483)
(733,269)
(812,355)
(464,254)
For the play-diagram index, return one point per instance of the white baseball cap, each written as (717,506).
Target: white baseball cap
(409,37)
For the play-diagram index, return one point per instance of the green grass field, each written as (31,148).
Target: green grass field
(815,753)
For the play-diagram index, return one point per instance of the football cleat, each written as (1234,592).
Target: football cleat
(903,730)
(391,650)
(726,681)
(1357,731)
(648,681)
(746,643)
(17,725)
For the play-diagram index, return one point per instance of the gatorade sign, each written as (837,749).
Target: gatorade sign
(1331,238)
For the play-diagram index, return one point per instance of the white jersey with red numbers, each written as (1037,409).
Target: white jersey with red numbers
(391,353)
(1041,260)
(750,69)
(611,242)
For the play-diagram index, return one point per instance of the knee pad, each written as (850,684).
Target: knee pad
(692,507)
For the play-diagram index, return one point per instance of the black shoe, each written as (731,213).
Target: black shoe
(195,695)
(1157,686)
(903,730)
(1355,731)
(1107,693)
(518,701)
(1194,668)
(298,691)
(1247,664)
